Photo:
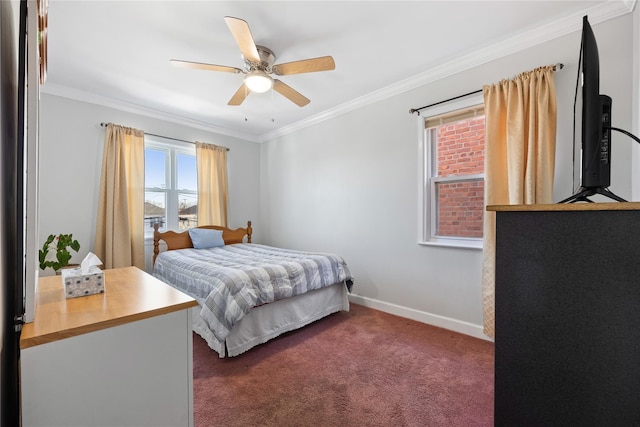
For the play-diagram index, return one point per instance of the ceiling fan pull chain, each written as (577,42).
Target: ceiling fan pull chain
(272,106)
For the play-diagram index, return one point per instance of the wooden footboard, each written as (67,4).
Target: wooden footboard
(182,240)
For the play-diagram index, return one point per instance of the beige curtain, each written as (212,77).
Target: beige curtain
(120,222)
(520,146)
(212,184)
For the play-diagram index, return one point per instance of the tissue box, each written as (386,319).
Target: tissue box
(77,284)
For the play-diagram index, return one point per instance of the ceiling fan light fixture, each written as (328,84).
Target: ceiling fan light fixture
(258,81)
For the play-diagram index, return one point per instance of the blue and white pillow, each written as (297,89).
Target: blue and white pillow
(204,238)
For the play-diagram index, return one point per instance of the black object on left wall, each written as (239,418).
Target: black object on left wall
(13,47)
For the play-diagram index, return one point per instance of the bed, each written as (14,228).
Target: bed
(248,293)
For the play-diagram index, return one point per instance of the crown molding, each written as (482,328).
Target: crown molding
(78,95)
(564,26)
(571,23)
(631,4)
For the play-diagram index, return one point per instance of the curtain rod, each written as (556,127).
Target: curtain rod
(104,125)
(556,67)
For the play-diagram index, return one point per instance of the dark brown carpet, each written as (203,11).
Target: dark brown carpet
(361,368)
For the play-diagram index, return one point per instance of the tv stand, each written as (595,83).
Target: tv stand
(584,193)
(566,315)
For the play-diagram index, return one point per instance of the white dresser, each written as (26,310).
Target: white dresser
(121,358)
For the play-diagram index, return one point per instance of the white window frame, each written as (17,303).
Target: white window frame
(428,197)
(173,148)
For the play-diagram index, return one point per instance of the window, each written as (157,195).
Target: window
(453,188)
(171,192)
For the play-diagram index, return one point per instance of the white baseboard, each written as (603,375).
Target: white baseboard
(422,316)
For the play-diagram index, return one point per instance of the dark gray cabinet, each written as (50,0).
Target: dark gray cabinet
(567,340)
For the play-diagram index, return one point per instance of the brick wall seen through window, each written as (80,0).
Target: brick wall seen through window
(461,204)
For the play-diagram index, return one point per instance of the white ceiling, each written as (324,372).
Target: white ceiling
(117,53)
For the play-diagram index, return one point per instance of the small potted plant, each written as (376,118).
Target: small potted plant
(62,244)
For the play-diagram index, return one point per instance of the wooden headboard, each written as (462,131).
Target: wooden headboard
(182,240)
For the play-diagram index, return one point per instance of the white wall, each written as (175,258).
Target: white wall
(350,184)
(615,44)
(71,145)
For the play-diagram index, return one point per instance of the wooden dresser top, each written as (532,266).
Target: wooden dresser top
(616,206)
(130,295)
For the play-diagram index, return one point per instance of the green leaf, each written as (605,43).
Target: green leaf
(63,257)
(62,245)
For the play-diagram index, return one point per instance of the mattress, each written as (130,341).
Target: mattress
(271,320)
(232,281)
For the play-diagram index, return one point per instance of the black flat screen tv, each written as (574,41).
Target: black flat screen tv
(596,117)
(595,124)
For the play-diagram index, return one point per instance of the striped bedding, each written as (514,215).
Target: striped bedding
(230,280)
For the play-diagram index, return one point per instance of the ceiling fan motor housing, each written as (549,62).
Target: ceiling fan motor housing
(267,58)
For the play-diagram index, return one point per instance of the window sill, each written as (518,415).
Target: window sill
(454,243)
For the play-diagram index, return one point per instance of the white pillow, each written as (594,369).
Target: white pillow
(204,238)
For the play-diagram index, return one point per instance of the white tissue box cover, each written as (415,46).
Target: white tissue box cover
(77,284)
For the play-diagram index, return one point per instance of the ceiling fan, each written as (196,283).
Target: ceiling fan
(259,66)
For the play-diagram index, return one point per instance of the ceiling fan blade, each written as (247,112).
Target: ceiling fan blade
(324,63)
(290,93)
(242,34)
(240,95)
(202,66)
